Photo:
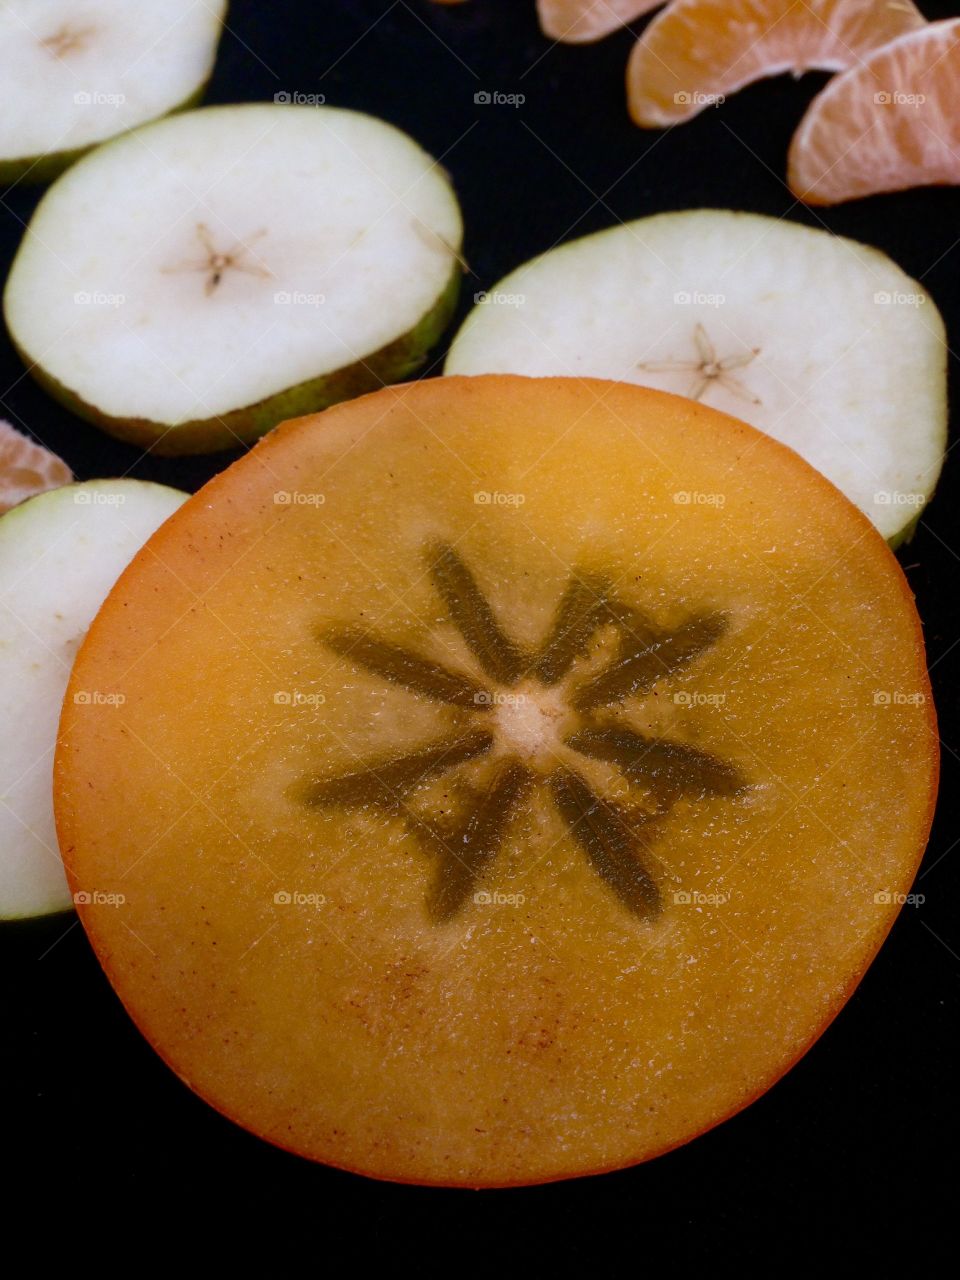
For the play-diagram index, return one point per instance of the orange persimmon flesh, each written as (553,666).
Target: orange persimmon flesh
(512,777)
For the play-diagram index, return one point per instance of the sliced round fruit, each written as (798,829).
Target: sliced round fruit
(26,468)
(192,283)
(818,340)
(580,21)
(887,124)
(74,74)
(513,777)
(697,52)
(60,554)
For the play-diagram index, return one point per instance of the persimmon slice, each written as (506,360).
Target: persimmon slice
(513,777)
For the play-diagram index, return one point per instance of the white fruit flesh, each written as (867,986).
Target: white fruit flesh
(220,257)
(60,553)
(817,340)
(75,72)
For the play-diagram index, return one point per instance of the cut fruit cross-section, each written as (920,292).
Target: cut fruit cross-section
(74,73)
(60,554)
(818,340)
(483,812)
(581,21)
(887,124)
(26,468)
(191,284)
(697,52)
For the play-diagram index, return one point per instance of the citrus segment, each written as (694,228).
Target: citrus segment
(498,818)
(886,124)
(26,468)
(697,52)
(580,21)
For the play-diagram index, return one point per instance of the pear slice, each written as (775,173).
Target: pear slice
(74,73)
(821,342)
(195,282)
(60,553)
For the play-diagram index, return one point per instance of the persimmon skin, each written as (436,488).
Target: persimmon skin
(186,544)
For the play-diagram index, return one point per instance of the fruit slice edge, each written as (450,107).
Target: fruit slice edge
(583,21)
(188,324)
(59,553)
(696,52)
(884,125)
(850,373)
(76,79)
(318,441)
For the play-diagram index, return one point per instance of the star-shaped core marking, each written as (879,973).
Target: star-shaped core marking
(707,368)
(219,261)
(68,39)
(536,721)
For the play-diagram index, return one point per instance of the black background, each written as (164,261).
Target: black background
(856,1145)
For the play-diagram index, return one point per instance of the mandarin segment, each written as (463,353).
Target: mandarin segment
(697,52)
(582,21)
(888,123)
(27,468)
(517,940)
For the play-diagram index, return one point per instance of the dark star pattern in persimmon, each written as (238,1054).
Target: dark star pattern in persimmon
(613,836)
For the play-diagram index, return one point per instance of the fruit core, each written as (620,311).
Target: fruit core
(529,723)
(538,718)
(68,39)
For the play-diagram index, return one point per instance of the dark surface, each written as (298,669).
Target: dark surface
(860,1135)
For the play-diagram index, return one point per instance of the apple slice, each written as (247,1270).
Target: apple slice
(821,342)
(74,74)
(198,280)
(60,553)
